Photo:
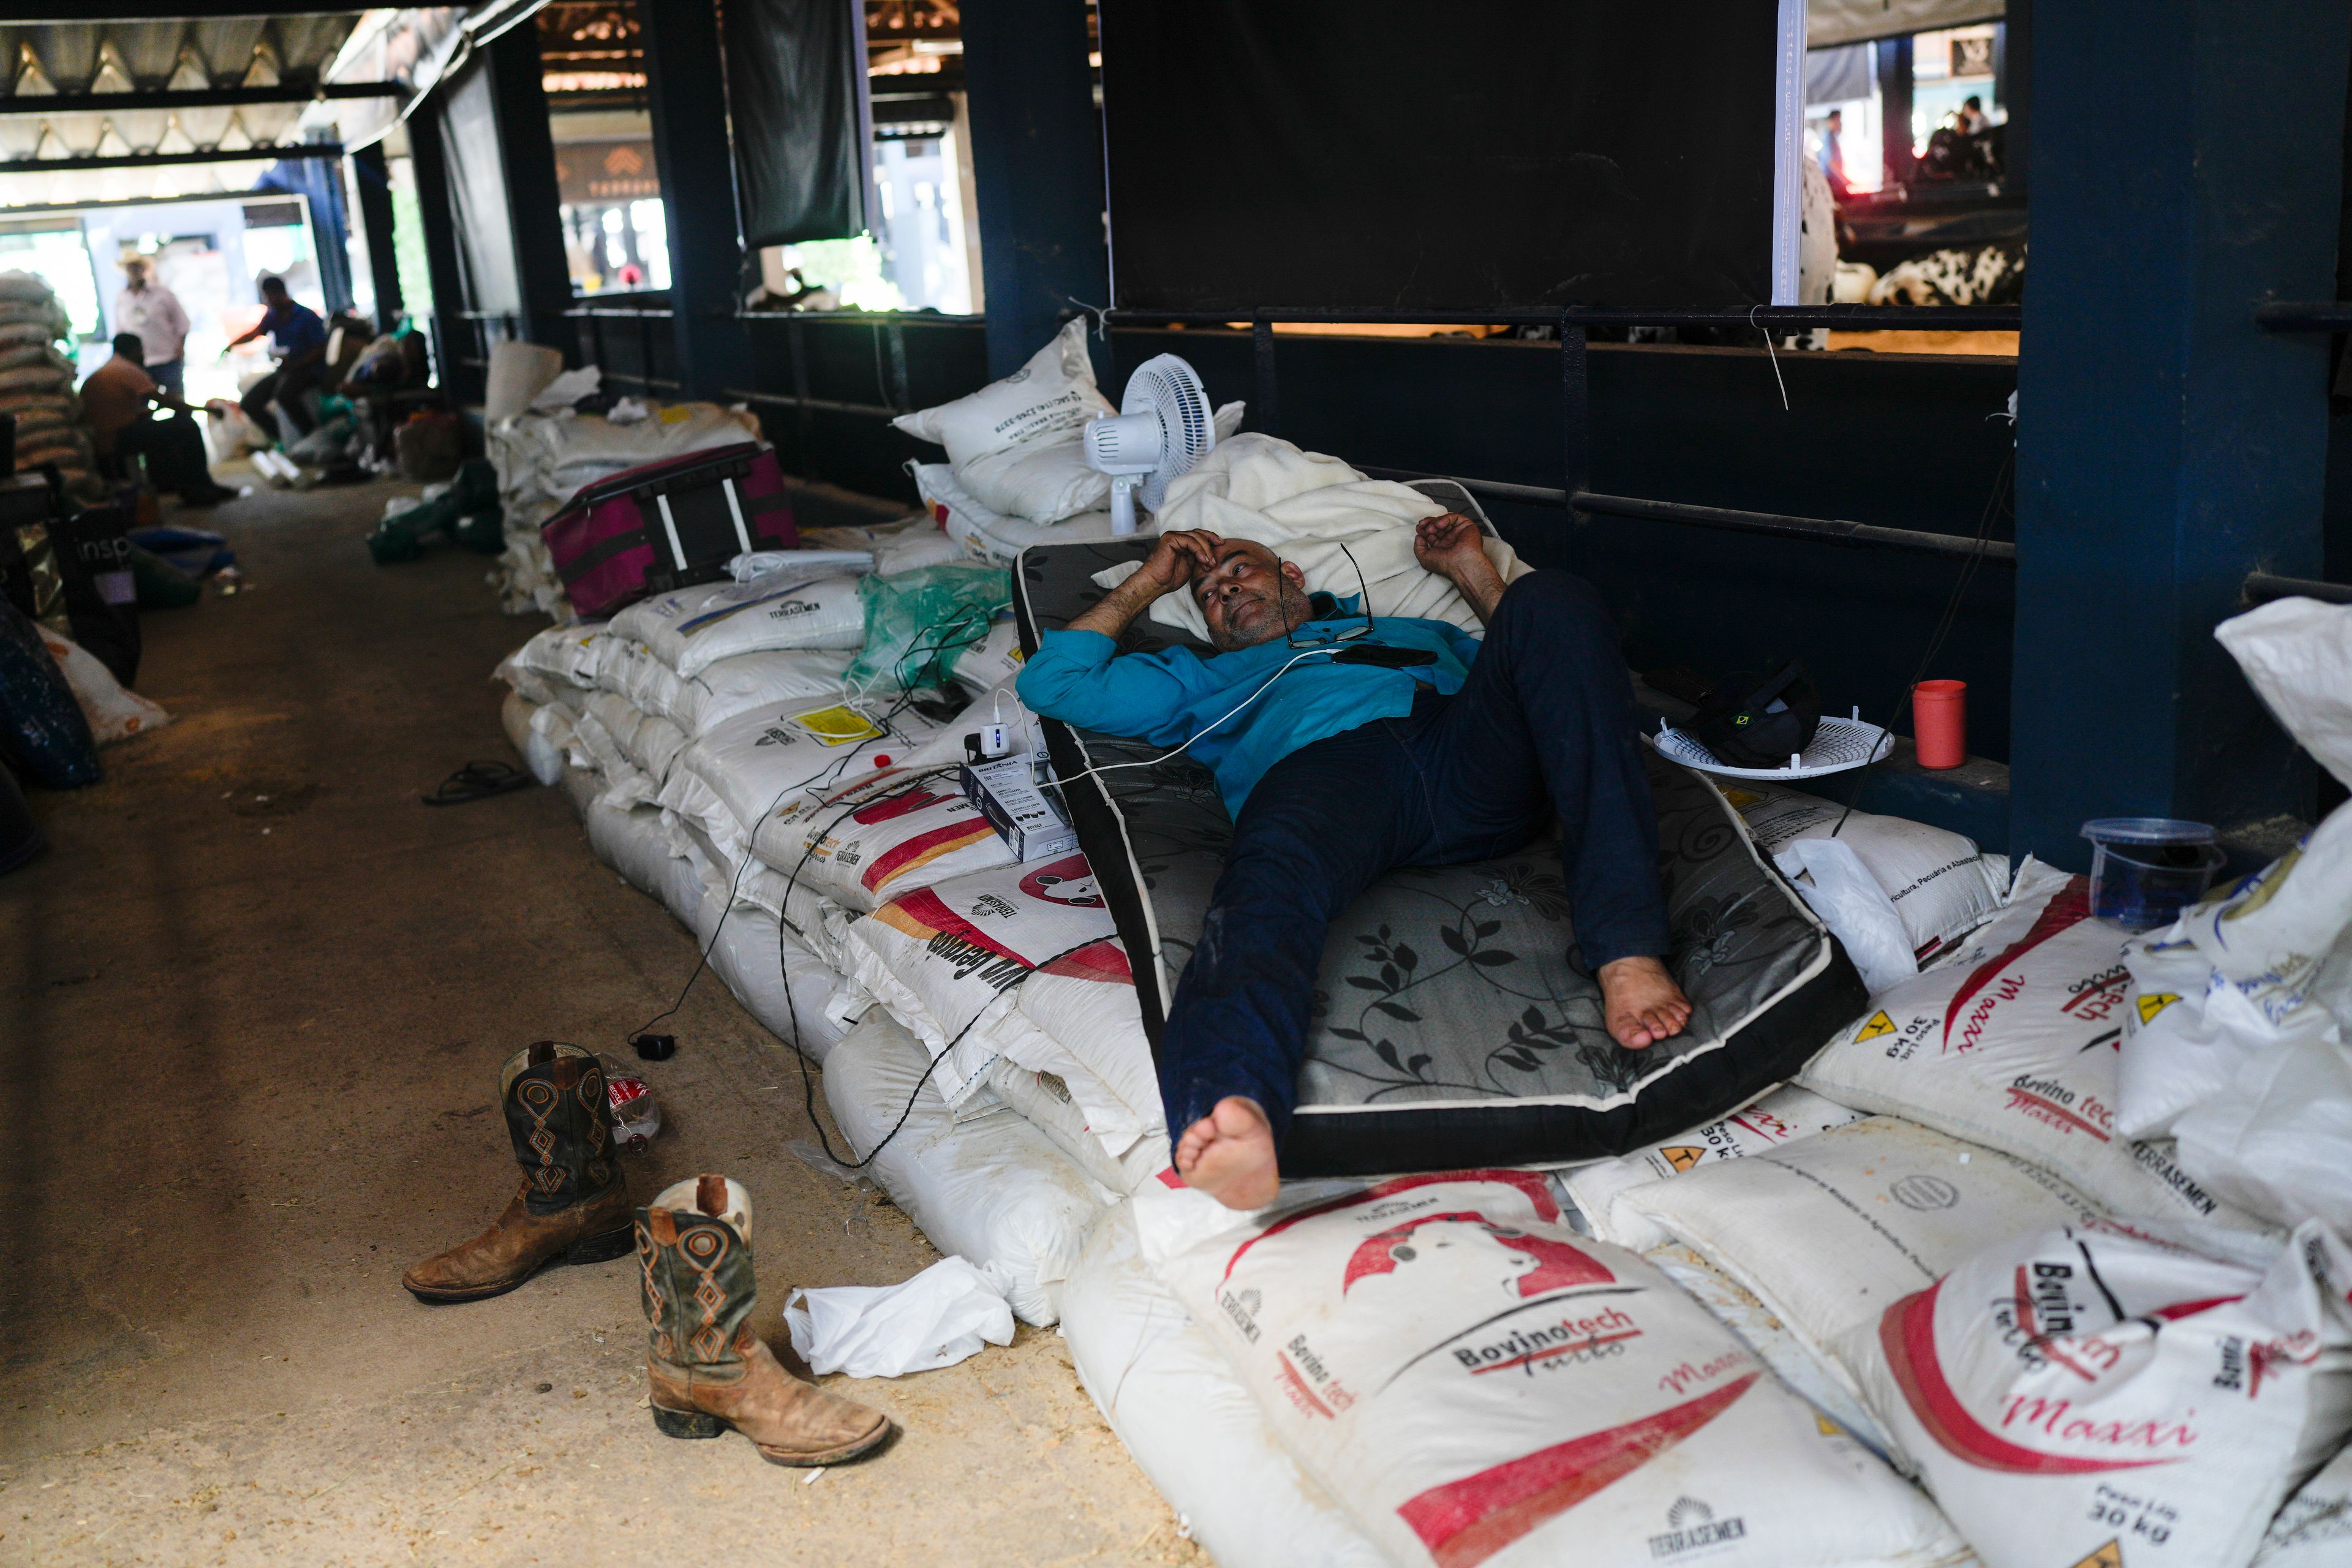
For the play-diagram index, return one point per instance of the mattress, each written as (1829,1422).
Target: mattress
(1454,1021)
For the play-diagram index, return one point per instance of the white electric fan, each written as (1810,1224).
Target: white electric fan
(1162,429)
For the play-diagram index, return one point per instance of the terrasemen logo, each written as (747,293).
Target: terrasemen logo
(1690,1524)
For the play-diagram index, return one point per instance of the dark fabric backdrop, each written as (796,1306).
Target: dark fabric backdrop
(477,191)
(795,70)
(1400,153)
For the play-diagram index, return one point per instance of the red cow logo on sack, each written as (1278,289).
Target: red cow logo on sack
(1555,1264)
(892,806)
(1069,880)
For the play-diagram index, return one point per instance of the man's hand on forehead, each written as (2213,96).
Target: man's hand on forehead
(1180,558)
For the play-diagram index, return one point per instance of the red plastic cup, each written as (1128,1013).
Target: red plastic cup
(1940,722)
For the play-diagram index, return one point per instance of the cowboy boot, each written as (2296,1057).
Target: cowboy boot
(574,1205)
(705,1368)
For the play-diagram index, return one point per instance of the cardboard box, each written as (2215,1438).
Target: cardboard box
(1027,818)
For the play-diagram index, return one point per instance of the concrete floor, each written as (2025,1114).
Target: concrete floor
(259,997)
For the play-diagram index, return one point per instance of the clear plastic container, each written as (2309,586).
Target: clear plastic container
(2147,869)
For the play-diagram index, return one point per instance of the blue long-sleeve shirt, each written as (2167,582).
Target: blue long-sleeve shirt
(1167,698)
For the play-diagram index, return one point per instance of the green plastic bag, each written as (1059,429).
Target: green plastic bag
(467,511)
(917,622)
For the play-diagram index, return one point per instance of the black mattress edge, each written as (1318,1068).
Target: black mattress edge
(1339,1141)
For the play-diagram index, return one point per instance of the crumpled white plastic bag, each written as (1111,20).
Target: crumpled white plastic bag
(2297,655)
(759,562)
(937,1319)
(1840,888)
(2240,1027)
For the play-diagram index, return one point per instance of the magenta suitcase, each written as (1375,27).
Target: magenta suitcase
(648,530)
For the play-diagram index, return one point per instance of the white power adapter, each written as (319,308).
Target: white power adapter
(992,740)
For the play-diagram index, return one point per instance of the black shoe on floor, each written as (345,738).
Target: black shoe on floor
(213,496)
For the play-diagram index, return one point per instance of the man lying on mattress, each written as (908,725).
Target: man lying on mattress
(1432,749)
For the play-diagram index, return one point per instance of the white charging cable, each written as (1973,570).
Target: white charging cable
(1262,690)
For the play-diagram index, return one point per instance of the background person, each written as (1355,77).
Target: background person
(300,339)
(1834,153)
(116,401)
(154,313)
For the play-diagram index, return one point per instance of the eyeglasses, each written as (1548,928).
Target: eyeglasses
(1348,633)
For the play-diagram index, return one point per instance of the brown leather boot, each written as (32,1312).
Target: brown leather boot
(574,1205)
(705,1368)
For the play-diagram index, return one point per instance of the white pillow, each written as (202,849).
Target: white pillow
(1304,506)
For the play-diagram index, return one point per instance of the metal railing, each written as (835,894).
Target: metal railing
(1783,525)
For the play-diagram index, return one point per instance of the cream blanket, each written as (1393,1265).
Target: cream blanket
(1305,507)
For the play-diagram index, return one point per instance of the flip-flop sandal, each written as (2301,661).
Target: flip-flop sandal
(479,781)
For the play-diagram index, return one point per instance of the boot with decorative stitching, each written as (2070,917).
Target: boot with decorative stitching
(574,1205)
(705,1368)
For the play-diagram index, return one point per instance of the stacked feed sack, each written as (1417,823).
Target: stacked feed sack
(36,381)
(750,755)
(1016,472)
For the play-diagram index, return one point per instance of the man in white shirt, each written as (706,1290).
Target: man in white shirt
(151,310)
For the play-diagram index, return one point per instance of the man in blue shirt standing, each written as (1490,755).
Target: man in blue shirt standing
(299,338)
(1344,747)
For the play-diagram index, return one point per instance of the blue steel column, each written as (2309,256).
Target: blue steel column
(534,198)
(2165,445)
(1038,167)
(683,73)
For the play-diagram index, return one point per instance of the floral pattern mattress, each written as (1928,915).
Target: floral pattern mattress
(1454,1021)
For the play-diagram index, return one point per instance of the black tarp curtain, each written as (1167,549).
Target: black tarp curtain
(1398,154)
(796,95)
(478,190)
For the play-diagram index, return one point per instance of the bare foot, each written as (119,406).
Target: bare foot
(1229,1154)
(1641,1003)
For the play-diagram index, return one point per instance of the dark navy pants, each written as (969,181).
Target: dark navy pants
(1545,722)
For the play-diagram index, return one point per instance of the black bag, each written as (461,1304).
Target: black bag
(1752,721)
(43,733)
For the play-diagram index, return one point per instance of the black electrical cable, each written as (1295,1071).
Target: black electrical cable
(743,864)
(887,723)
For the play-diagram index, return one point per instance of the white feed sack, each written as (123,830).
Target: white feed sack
(1015,443)
(689,629)
(1046,1099)
(1807,1373)
(989,1189)
(1829,1231)
(539,735)
(2012,1044)
(1190,1422)
(649,741)
(1784,1114)
(1476,1384)
(2082,1395)
(571,655)
(720,690)
(728,780)
(1938,883)
(941,957)
(885,832)
(977,532)
(779,982)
